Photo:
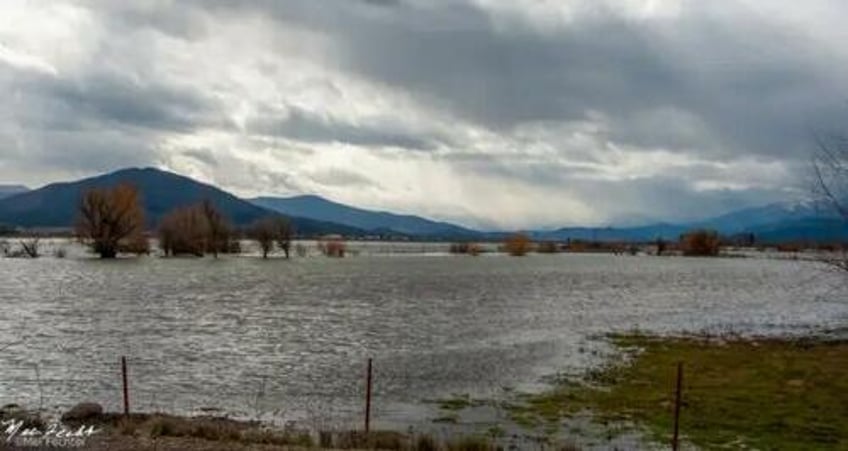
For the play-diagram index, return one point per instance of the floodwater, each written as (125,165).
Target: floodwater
(289,340)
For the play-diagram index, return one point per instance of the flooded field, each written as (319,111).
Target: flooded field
(288,340)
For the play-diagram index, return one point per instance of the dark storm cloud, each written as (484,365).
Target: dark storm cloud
(112,98)
(102,98)
(75,152)
(98,122)
(752,84)
(487,88)
(302,125)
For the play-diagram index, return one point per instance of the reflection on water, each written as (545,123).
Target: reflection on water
(289,339)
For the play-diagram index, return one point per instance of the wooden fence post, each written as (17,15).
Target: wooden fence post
(126,387)
(675,444)
(368,399)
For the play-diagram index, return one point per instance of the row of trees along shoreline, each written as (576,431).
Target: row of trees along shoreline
(111,221)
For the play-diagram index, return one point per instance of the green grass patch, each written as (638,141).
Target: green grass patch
(457,403)
(765,394)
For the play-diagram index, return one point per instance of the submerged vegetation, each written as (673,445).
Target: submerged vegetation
(737,393)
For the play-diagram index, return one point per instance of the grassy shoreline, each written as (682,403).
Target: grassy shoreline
(767,393)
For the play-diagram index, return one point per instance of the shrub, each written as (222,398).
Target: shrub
(30,247)
(548,247)
(701,242)
(471,444)
(301,250)
(426,443)
(472,249)
(661,245)
(789,247)
(518,245)
(332,246)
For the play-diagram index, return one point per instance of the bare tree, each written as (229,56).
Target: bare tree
(218,228)
(109,218)
(30,247)
(184,231)
(661,245)
(265,231)
(197,230)
(272,230)
(285,232)
(830,168)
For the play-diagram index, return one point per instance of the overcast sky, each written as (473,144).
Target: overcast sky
(492,113)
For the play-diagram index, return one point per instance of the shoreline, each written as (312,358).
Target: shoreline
(732,382)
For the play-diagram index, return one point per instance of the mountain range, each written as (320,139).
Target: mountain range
(54,206)
(11,190)
(317,207)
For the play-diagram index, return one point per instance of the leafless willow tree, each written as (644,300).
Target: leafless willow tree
(184,231)
(830,168)
(270,230)
(264,233)
(217,226)
(110,219)
(285,232)
(197,230)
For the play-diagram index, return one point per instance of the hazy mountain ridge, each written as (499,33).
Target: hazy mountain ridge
(776,222)
(749,219)
(319,208)
(782,221)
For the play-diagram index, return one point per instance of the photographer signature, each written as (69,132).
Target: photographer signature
(14,430)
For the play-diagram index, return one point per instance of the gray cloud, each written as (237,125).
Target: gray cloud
(302,125)
(707,107)
(754,85)
(342,178)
